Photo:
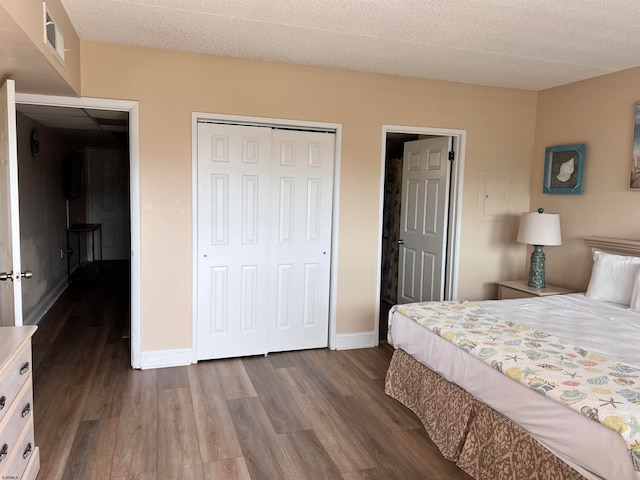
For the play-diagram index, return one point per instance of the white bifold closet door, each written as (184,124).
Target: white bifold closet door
(264,239)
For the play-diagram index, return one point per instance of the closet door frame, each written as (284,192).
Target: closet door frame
(267,122)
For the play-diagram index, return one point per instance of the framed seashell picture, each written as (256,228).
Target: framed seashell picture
(563,169)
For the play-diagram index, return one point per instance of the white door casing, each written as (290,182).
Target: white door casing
(263,239)
(423,220)
(10,290)
(301,179)
(109,200)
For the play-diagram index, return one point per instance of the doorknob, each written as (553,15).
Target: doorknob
(401,242)
(4,276)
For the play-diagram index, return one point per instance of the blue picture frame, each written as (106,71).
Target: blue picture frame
(563,169)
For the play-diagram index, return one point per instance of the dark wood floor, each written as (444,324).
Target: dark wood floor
(315,414)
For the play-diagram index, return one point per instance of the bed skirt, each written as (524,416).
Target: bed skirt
(482,442)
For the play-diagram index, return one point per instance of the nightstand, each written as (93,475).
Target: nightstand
(520,289)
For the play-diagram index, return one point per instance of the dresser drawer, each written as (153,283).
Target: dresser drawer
(15,423)
(13,378)
(31,472)
(19,458)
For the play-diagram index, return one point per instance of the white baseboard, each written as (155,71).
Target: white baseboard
(348,341)
(46,303)
(165,358)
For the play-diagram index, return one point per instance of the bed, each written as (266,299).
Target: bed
(461,385)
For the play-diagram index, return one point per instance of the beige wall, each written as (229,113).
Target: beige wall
(29,19)
(599,112)
(170,85)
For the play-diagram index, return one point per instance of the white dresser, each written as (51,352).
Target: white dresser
(19,457)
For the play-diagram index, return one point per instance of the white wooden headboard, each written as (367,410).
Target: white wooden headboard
(614,245)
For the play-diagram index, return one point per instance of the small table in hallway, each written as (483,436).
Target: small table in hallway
(78,229)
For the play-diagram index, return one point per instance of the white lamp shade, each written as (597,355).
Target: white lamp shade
(540,229)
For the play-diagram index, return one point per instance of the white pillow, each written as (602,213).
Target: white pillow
(635,294)
(613,277)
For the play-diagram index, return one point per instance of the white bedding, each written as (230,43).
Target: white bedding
(593,449)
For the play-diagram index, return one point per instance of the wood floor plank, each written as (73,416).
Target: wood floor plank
(136,450)
(235,381)
(227,469)
(396,461)
(369,474)
(263,454)
(338,440)
(284,359)
(182,472)
(105,396)
(418,443)
(372,361)
(178,448)
(139,476)
(323,368)
(92,450)
(307,455)
(389,411)
(216,432)
(173,377)
(58,403)
(282,410)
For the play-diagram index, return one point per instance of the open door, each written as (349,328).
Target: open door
(10,271)
(423,217)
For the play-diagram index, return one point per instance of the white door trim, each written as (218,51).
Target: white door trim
(134,186)
(266,121)
(455,205)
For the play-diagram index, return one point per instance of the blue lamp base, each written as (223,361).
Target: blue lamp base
(536,270)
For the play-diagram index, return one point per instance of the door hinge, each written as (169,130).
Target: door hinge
(451,155)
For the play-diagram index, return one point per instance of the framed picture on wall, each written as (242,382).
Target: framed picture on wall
(563,169)
(634,171)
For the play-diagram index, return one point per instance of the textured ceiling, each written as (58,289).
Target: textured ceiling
(529,44)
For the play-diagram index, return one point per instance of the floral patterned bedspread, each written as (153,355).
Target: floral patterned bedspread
(589,383)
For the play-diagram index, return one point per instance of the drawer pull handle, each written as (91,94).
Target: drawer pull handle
(26,410)
(3,401)
(3,452)
(24,369)
(27,451)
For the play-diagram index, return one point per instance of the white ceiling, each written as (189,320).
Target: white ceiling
(528,44)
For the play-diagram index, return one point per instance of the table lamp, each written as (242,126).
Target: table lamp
(539,229)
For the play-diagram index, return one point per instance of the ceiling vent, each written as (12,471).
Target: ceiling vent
(53,35)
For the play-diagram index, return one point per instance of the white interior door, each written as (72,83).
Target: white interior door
(423,216)
(233,240)
(10,287)
(264,239)
(302,190)
(109,200)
